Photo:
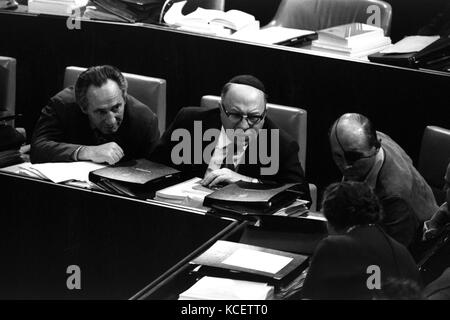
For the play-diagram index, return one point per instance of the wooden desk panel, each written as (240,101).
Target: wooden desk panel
(120,244)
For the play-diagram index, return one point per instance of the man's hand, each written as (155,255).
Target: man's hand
(109,152)
(223,175)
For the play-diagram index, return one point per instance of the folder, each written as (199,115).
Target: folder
(278,35)
(248,262)
(250,200)
(429,56)
(133,178)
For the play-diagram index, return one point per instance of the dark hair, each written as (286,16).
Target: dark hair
(97,76)
(247,80)
(400,289)
(349,203)
(366,125)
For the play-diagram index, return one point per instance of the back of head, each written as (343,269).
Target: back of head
(97,76)
(346,204)
(400,289)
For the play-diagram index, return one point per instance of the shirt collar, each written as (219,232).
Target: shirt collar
(223,139)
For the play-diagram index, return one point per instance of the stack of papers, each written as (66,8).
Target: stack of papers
(57,7)
(209,21)
(214,288)
(189,193)
(58,172)
(352,40)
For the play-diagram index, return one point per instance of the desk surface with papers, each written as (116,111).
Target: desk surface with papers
(119,243)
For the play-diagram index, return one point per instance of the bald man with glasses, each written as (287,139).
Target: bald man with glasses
(230,140)
(363,154)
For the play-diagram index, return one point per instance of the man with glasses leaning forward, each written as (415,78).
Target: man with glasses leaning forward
(363,154)
(238,121)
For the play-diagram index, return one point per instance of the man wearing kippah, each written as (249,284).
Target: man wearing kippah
(234,141)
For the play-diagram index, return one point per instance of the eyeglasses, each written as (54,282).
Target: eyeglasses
(251,119)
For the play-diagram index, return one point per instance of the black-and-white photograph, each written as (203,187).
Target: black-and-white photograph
(257,153)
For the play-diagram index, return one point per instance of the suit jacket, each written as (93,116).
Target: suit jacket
(406,197)
(339,266)
(290,169)
(439,289)
(63,127)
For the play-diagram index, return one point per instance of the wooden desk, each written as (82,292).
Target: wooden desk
(120,244)
(401,102)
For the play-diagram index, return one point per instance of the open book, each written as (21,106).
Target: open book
(209,20)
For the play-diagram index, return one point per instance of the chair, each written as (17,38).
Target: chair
(205,4)
(150,91)
(434,158)
(321,14)
(292,120)
(7,87)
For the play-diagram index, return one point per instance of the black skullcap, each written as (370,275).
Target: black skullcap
(248,80)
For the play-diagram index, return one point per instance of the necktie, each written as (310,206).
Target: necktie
(225,163)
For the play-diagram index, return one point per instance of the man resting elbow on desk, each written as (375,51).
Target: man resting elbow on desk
(95,121)
(234,141)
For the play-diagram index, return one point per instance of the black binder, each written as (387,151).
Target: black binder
(429,57)
(134,178)
(250,200)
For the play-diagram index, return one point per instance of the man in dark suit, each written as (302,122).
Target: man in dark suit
(363,154)
(232,142)
(95,121)
(434,226)
(358,258)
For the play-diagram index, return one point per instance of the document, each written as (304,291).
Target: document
(269,264)
(411,44)
(214,288)
(58,172)
(209,21)
(257,260)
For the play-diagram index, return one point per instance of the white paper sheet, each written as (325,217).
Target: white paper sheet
(65,171)
(257,260)
(411,44)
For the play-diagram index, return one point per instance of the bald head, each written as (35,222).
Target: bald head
(354,142)
(355,131)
